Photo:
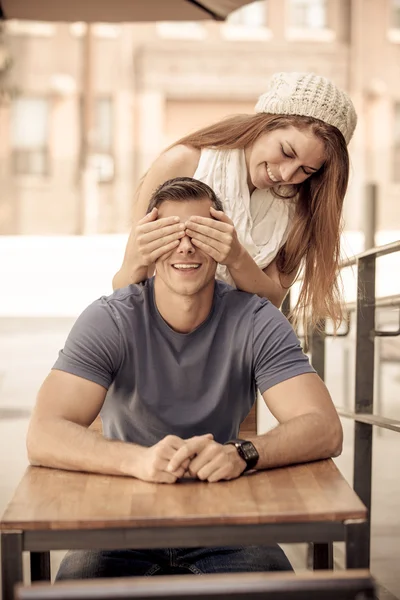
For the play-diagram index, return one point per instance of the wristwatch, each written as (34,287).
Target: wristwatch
(247,451)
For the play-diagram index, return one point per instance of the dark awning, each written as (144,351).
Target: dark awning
(114,11)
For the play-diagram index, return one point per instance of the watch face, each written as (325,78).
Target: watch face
(249,451)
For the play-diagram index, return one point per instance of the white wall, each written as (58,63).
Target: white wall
(59,276)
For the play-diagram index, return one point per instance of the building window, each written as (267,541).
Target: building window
(103,124)
(181,30)
(307,20)
(396,143)
(393,33)
(105,31)
(307,14)
(29,135)
(248,23)
(252,15)
(101,142)
(395,14)
(31,28)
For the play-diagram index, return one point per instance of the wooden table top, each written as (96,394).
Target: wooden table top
(52,499)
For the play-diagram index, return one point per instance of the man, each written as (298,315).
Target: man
(173,365)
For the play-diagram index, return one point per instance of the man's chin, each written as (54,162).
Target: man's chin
(186,289)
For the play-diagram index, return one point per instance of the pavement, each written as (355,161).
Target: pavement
(29,346)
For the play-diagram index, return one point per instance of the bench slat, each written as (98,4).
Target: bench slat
(272,586)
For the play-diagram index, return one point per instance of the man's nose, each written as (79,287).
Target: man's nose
(186,246)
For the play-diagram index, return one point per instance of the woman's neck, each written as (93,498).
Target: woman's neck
(249,182)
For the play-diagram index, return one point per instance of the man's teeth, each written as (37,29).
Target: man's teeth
(274,179)
(187,266)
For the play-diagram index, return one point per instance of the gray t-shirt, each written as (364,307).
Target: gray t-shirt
(162,382)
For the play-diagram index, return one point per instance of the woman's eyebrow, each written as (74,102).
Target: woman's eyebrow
(295,154)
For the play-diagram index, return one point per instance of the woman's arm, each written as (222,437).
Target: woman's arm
(217,237)
(179,161)
(267,283)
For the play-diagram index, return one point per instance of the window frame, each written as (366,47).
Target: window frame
(97,152)
(298,32)
(25,155)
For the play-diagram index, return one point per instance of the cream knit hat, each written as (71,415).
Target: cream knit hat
(309,95)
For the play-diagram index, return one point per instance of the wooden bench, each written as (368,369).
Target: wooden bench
(247,586)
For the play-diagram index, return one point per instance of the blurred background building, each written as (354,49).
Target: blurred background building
(110,97)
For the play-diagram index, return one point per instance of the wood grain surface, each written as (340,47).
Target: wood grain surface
(54,499)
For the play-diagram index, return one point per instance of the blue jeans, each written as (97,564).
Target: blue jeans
(89,564)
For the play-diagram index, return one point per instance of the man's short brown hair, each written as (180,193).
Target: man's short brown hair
(183,188)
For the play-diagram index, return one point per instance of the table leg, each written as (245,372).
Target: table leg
(11,562)
(357,544)
(40,566)
(322,556)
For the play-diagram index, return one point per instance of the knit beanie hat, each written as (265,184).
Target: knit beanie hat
(309,95)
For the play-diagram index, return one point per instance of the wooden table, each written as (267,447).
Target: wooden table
(54,510)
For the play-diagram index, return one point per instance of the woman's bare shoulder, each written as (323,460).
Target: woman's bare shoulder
(180,159)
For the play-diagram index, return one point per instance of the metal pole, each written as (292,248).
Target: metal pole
(317,347)
(370,214)
(364,382)
(320,556)
(286,305)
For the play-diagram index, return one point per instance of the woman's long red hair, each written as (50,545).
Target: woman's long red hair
(314,239)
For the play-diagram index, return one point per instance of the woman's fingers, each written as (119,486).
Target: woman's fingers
(195,229)
(158,238)
(220,215)
(164,249)
(154,229)
(151,216)
(216,245)
(160,242)
(225,226)
(207,249)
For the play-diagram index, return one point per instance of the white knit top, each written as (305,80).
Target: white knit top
(262,221)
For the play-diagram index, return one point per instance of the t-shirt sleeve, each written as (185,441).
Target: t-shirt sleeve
(92,349)
(277,353)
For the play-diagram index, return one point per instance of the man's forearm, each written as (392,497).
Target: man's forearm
(61,444)
(302,439)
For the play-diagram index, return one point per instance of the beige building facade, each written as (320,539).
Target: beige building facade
(149,84)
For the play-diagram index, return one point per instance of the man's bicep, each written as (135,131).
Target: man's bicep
(277,353)
(66,396)
(298,396)
(92,350)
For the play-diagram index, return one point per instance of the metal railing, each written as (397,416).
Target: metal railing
(363,415)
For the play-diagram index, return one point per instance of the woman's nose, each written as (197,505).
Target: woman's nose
(287,172)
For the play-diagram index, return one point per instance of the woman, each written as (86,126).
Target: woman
(281,175)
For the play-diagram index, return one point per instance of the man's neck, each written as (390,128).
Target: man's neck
(182,313)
